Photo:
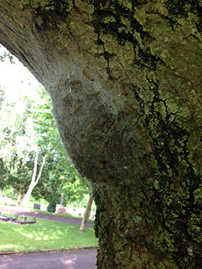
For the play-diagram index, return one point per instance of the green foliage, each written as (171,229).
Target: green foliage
(6,55)
(156,184)
(23,134)
(46,10)
(52,206)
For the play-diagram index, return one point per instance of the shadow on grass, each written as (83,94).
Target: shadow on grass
(43,235)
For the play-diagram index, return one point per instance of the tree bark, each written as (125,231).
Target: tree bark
(125,81)
(86,214)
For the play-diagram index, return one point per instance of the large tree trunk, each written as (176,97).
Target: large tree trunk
(125,80)
(135,232)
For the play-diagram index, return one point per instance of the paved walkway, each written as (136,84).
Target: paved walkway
(85,259)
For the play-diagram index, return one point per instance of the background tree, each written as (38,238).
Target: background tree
(36,175)
(2,169)
(13,148)
(60,180)
(28,139)
(125,81)
(86,213)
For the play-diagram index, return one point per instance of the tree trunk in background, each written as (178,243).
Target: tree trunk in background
(86,214)
(20,200)
(61,199)
(125,81)
(35,178)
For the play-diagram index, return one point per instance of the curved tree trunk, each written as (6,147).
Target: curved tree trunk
(35,178)
(125,81)
(86,214)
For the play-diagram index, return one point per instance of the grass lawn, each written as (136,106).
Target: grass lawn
(43,235)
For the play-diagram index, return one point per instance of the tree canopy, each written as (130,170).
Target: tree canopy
(30,148)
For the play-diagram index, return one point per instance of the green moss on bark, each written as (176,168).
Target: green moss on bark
(132,124)
(163,44)
(49,15)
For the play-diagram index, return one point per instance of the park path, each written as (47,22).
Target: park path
(85,259)
(18,211)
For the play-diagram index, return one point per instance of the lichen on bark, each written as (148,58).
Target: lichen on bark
(125,80)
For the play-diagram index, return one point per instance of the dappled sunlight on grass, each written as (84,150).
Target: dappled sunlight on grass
(43,235)
(7,247)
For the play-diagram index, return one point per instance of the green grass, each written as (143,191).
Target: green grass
(43,235)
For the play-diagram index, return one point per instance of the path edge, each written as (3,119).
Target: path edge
(74,249)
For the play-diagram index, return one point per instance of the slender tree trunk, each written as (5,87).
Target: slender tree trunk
(125,81)
(86,214)
(26,198)
(20,200)
(61,199)
(35,178)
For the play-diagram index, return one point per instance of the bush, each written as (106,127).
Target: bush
(51,207)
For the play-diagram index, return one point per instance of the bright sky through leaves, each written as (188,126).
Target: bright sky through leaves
(17,81)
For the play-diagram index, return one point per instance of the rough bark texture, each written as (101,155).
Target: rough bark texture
(125,80)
